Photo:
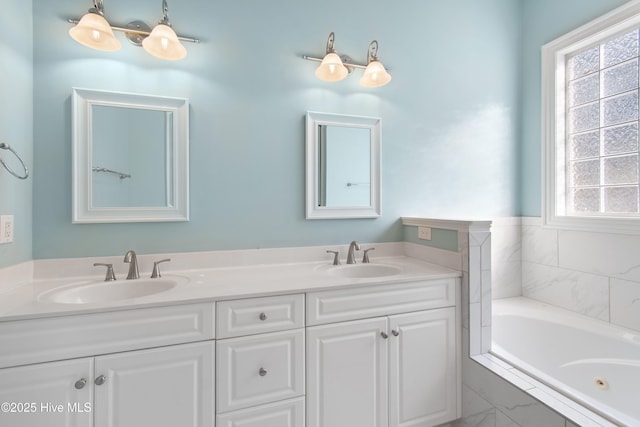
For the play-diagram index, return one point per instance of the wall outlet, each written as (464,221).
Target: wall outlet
(6,228)
(424,233)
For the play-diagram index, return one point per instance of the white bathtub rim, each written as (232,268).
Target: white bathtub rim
(570,409)
(525,307)
(611,414)
(595,360)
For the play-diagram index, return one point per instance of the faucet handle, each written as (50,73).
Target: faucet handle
(156,268)
(110,276)
(365,258)
(336,254)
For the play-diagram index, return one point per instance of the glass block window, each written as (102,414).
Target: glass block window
(591,125)
(601,170)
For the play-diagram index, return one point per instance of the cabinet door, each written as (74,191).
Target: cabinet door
(423,368)
(162,387)
(347,374)
(48,395)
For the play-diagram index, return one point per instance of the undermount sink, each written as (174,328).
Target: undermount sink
(92,292)
(365,270)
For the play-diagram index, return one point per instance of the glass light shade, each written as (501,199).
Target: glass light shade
(375,75)
(95,32)
(331,69)
(163,43)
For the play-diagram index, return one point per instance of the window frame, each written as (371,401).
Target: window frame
(554,56)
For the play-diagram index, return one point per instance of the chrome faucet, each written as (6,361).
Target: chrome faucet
(131,258)
(351,256)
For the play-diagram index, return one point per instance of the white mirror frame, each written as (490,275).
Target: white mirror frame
(82,209)
(313,208)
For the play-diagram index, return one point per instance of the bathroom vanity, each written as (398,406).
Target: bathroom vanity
(267,346)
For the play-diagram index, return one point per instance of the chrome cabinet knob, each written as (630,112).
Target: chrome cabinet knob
(262,372)
(384,335)
(395,332)
(80,383)
(263,316)
(101,380)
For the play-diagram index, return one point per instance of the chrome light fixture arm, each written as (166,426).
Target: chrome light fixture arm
(346,59)
(98,7)
(135,28)
(330,42)
(165,14)
(372,52)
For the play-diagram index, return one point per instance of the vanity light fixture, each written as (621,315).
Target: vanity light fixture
(94,31)
(334,67)
(163,42)
(331,68)
(375,74)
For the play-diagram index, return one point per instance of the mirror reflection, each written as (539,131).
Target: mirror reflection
(131,161)
(130,157)
(343,166)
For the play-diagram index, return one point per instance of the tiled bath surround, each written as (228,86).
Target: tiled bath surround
(589,273)
(595,274)
(496,394)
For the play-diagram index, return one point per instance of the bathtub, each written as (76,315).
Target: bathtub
(592,362)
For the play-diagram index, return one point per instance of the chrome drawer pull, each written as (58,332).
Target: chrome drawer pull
(384,335)
(80,383)
(395,332)
(263,316)
(101,380)
(262,372)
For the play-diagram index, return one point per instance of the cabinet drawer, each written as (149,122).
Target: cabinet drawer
(259,369)
(289,413)
(370,301)
(47,339)
(257,315)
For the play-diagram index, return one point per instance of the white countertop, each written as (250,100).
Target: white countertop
(208,285)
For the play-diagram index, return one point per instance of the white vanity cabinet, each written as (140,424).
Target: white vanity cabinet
(397,365)
(31,395)
(347,374)
(168,386)
(102,380)
(260,362)
(355,355)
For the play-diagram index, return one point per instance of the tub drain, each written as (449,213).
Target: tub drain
(601,383)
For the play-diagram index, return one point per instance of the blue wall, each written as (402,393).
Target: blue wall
(544,21)
(16,124)
(461,119)
(450,116)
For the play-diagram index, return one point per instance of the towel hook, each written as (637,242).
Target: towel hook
(26,171)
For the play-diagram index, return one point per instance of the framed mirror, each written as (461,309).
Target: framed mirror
(342,166)
(130,157)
